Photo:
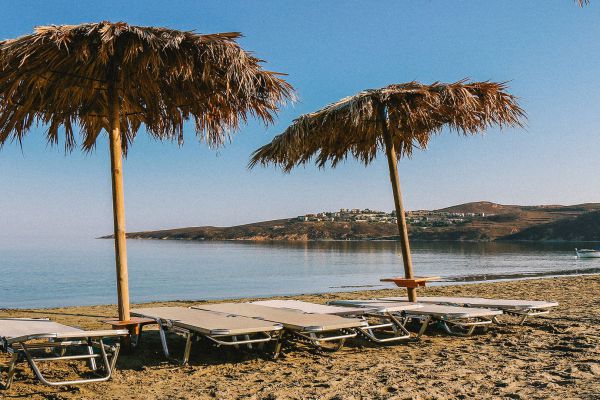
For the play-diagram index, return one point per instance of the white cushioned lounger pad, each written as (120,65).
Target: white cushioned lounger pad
(313,307)
(290,319)
(481,302)
(378,305)
(207,322)
(439,311)
(443,311)
(11,328)
(23,329)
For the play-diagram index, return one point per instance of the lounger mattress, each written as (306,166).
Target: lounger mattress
(13,328)
(314,308)
(434,310)
(207,322)
(481,302)
(378,305)
(290,319)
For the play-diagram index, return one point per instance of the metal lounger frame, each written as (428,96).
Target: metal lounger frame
(399,321)
(166,325)
(523,313)
(19,349)
(466,326)
(368,332)
(330,340)
(321,340)
(396,325)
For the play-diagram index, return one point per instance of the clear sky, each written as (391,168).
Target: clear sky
(549,50)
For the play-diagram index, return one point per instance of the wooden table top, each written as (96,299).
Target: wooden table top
(411,282)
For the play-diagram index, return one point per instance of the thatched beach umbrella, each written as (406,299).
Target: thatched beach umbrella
(395,119)
(116,77)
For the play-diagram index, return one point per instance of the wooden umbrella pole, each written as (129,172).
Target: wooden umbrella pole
(116,158)
(400,218)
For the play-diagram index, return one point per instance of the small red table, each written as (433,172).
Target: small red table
(134,326)
(411,282)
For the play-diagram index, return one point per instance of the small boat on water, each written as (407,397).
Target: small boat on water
(587,253)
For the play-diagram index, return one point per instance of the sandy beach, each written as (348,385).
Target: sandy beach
(555,356)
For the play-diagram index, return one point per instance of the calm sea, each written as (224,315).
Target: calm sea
(82,272)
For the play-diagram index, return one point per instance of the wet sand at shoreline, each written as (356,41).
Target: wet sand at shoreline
(554,356)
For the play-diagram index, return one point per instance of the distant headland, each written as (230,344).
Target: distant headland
(478,221)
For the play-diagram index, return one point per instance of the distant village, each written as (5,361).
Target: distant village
(417,218)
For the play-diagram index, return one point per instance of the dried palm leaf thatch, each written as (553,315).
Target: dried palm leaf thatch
(60,76)
(410,113)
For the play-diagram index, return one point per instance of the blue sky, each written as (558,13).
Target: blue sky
(548,50)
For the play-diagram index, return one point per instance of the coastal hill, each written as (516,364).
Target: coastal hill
(479,221)
(509,222)
(585,227)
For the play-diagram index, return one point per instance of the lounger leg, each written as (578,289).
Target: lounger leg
(337,344)
(277,347)
(523,318)
(385,324)
(107,364)
(399,324)
(90,351)
(34,367)
(61,350)
(163,339)
(247,337)
(471,330)
(470,327)
(11,372)
(424,326)
(367,331)
(314,342)
(115,355)
(188,348)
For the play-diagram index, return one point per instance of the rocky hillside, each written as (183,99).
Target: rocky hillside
(585,227)
(283,229)
(502,222)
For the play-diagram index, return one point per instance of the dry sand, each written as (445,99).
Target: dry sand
(556,356)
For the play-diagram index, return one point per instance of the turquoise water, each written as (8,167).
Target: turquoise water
(65,273)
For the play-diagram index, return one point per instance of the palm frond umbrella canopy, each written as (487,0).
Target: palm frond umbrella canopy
(395,119)
(116,77)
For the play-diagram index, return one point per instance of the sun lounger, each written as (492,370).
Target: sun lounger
(224,329)
(26,338)
(522,308)
(455,320)
(386,328)
(327,332)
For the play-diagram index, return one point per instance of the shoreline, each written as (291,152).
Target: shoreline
(551,356)
(357,240)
